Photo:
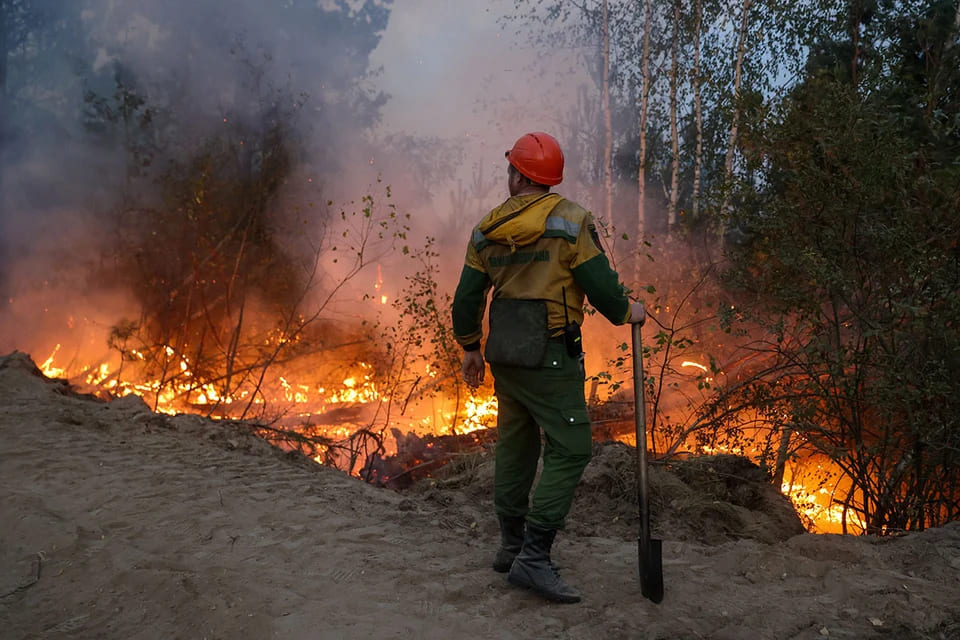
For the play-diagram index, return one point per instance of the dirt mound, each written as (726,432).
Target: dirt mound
(727,497)
(33,378)
(709,499)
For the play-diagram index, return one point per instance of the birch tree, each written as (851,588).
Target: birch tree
(695,81)
(642,137)
(741,51)
(607,119)
(6,19)
(674,108)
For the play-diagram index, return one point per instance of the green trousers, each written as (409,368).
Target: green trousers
(530,399)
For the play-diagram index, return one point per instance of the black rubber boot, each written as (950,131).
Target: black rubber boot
(532,568)
(511,540)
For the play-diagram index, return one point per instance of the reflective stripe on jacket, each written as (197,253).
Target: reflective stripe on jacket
(535,247)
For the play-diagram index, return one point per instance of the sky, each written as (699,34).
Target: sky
(437,58)
(459,70)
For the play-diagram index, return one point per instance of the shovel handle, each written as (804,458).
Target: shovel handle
(649,550)
(640,420)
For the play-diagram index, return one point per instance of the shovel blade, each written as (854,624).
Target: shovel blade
(651,569)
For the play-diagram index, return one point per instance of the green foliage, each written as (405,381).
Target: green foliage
(427,355)
(123,119)
(850,271)
(231,276)
(680,366)
(215,232)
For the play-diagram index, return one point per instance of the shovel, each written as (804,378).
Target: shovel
(650,551)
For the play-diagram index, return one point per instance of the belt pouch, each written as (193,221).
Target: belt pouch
(518,332)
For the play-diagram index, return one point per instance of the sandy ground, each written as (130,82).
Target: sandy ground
(117,523)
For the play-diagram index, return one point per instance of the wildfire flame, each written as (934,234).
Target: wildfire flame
(175,396)
(308,401)
(481,413)
(378,285)
(47,367)
(690,363)
(813,501)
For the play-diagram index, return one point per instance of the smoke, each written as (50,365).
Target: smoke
(423,96)
(103,99)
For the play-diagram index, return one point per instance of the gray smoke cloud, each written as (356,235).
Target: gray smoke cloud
(191,71)
(425,94)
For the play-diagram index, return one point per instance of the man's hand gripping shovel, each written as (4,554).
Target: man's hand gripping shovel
(650,551)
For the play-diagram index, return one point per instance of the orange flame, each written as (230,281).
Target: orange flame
(310,401)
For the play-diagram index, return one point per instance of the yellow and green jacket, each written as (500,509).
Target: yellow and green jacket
(533,247)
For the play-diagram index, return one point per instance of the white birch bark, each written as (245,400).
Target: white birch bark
(698,109)
(644,95)
(674,129)
(735,116)
(607,121)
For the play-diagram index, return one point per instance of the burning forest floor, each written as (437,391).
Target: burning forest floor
(120,523)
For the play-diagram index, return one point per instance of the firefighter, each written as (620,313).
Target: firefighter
(541,254)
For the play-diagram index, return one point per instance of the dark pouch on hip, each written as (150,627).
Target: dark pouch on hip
(518,332)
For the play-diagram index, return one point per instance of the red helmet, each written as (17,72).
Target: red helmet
(538,156)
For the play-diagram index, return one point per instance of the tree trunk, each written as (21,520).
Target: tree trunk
(642,169)
(856,14)
(3,54)
(4,117)
(607,121)
(735,116)
(698,110)
(674,129)
(785,433)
